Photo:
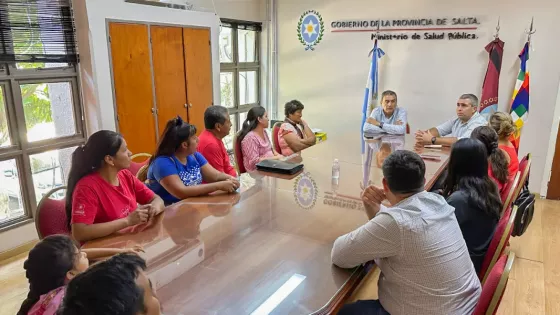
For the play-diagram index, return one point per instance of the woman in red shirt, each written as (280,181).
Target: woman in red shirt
(102,195)
(503,125)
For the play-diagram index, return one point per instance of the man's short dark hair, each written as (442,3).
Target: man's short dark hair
(404,172)
(215,115)
(292,106)
(107,288)
(388,93)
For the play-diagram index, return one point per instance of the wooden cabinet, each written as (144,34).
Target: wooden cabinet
(159,72)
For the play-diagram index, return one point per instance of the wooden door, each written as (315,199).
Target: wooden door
(132,80)
(553,191)
(198,69)
(169,74)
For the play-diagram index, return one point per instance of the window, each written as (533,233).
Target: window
(40,111)
(240,71)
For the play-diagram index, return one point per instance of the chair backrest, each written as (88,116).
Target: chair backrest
(135,167)
(508,195)
(498,242)
(275,137)
(524,170)
(495,286)
(238,155)
(407,129)
(50,217)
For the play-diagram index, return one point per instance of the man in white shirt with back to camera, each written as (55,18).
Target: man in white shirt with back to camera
(417,244)
(388,118)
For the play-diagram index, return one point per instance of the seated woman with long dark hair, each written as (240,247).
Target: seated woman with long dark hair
(102,195)
(177,170)
(475,197)
(498,160)
(295,134)
(254,141)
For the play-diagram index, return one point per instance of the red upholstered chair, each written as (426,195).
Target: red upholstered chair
(275,137)
(498,243)
(508,195)
(50,217)
(495,286)
(238,155)
(135,167)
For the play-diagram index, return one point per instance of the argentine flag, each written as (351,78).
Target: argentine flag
(372,84)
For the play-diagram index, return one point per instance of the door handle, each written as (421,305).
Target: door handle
(188,105)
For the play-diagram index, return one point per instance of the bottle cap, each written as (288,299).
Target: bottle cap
(336,160)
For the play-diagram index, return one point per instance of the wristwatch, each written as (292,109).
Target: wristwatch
(434,140)
(381,125)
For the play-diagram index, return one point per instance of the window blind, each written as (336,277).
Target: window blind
(242,25)
(37,31)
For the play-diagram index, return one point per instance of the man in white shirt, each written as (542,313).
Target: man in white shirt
(388,118)
(457,128)
(417,244)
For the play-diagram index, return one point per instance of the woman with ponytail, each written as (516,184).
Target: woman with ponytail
(102,195)
(51,264)
(503,125)
(498,160)
(177,171)
(254,141)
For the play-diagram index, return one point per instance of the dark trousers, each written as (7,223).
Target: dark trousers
(363,307)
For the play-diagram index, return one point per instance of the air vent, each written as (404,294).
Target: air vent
(180,5)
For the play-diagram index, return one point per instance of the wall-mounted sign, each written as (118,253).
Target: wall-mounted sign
(414,28)
(310,29)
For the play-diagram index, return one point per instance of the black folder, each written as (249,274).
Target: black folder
(280,167)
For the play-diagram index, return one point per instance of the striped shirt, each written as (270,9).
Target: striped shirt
(254,148)
(418,246)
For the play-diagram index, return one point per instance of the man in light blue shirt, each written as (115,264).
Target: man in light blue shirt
(388,118)
(457,128)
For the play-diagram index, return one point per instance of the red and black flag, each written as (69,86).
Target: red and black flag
(489,98)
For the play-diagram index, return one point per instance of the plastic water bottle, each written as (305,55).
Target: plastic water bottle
(335,176)
(335,169)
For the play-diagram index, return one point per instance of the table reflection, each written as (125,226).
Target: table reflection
(267,247)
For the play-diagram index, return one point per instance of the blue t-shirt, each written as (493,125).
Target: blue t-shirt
(164,166)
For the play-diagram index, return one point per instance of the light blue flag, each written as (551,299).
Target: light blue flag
(372,84)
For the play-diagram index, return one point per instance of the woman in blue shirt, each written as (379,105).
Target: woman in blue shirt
(177,171)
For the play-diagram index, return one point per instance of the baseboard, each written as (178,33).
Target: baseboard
(17,250)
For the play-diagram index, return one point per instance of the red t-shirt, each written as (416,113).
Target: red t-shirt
(96,201)
(214,150)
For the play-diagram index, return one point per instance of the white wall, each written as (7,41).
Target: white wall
(91,17)
(427,75)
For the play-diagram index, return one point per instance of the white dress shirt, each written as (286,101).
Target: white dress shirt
(388,122)
(424,261)
(459,129)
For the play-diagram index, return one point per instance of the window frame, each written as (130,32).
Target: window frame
(235,67)
(21,149)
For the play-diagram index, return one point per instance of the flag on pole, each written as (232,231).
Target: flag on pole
(370,98)
(520,100)
(489,98)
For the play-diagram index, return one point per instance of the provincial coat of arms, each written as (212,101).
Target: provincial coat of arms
(305,191)
(310,29)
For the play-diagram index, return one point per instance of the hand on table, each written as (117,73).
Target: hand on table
(140,215)
(136,249)
(228,186)
(234,181)
(423,137)
(372,197)
(151,210)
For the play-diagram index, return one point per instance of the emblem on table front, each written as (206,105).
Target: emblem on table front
(310,29)
(305,191)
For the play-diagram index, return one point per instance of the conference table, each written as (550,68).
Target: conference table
(266,249)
